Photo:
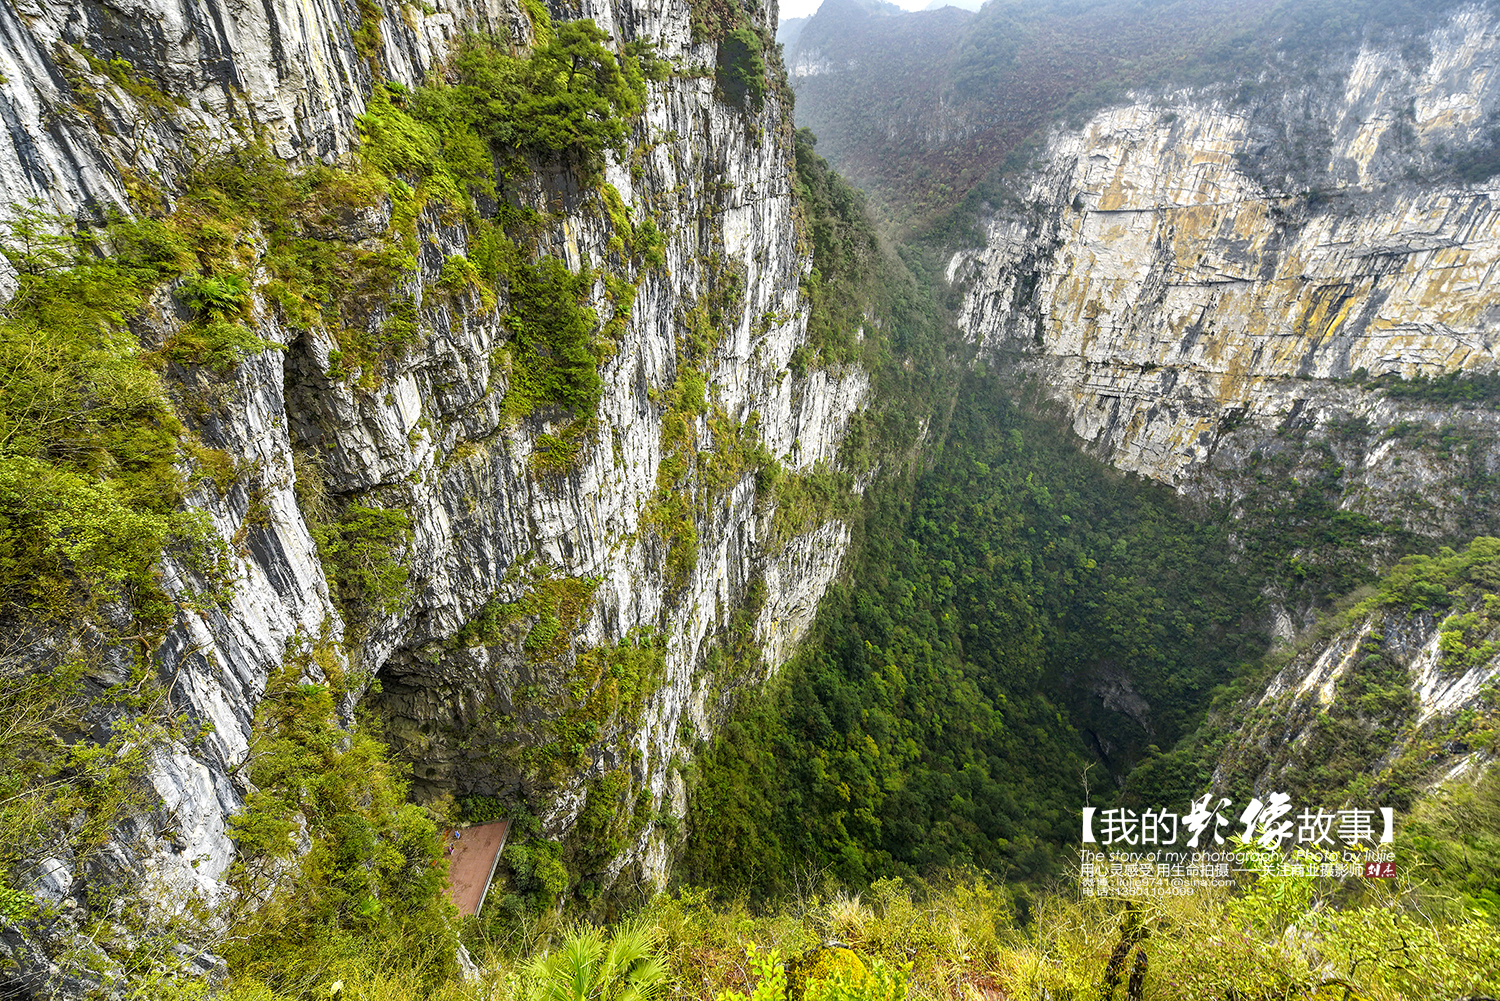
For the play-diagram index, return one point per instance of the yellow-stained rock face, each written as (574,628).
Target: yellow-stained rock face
(1182,259)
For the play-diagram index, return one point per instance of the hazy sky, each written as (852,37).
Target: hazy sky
(802,8)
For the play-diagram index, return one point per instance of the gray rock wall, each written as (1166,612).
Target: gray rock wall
(430,437)
(1191,273)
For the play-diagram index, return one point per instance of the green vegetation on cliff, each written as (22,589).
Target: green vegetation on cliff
(928,109)
(1016,614)
(1368,742)
(571,97)
(949,702)
(331,864)
(92,453)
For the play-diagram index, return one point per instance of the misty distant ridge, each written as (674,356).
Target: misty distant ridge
(789,28)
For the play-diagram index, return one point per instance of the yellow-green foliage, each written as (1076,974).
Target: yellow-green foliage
(62,793)
(90,448)
(541,878)
(606,691)
(741,70)
(1269,940)
(558,453)
(546,613)
(828,974)
(571,96)
(632,242)
(217,337)
(1465,639)
(898,940)
(737,451)
(671,515)
(541,21)
(444,164)
(351,875)
(1285,937)
(459,279)
(846,281)
(612,683)
(619,215)
(1446,580)
(555,348)
(339,283)
(807,499)
(590,964)
(1293,938)
(367,37)
(1468,583)
(689,482)
(1456,835)
(122,74)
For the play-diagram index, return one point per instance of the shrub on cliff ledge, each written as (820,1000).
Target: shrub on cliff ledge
(554,350)
(741,73)
(364,555)
(571,97)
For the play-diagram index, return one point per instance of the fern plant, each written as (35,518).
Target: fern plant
(586,967)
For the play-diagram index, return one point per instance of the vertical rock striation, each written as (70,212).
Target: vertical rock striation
(497,712)
(1196,272)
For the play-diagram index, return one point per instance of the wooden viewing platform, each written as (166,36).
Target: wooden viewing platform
(472,855)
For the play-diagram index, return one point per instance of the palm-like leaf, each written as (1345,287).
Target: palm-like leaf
(568,972)
(646,981)
(585,968)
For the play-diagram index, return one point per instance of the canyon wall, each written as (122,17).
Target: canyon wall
(106,104)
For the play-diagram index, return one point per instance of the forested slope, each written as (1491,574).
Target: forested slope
(1021,621)
(485,440)
(1024,621)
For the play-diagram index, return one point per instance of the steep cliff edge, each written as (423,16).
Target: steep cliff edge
(547,595)
(1276,295)
(1201,277)
(1392,695)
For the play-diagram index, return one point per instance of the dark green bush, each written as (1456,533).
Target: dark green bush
(572,97)
(741,72)
(554,346)
(364,556)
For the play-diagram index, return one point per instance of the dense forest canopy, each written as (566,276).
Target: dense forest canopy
(1019,631)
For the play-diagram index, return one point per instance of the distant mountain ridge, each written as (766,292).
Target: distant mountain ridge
(788,31)
(918,107)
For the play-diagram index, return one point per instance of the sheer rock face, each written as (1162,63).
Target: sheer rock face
(1191,275)
(1350,692)
(1207,284)
(430,438)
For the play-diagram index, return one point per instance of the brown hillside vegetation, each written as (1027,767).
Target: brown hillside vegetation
(918,108)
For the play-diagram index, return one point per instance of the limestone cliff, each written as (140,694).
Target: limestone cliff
(1196,272)
(1399,694)
(1252,292)
(103,101)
